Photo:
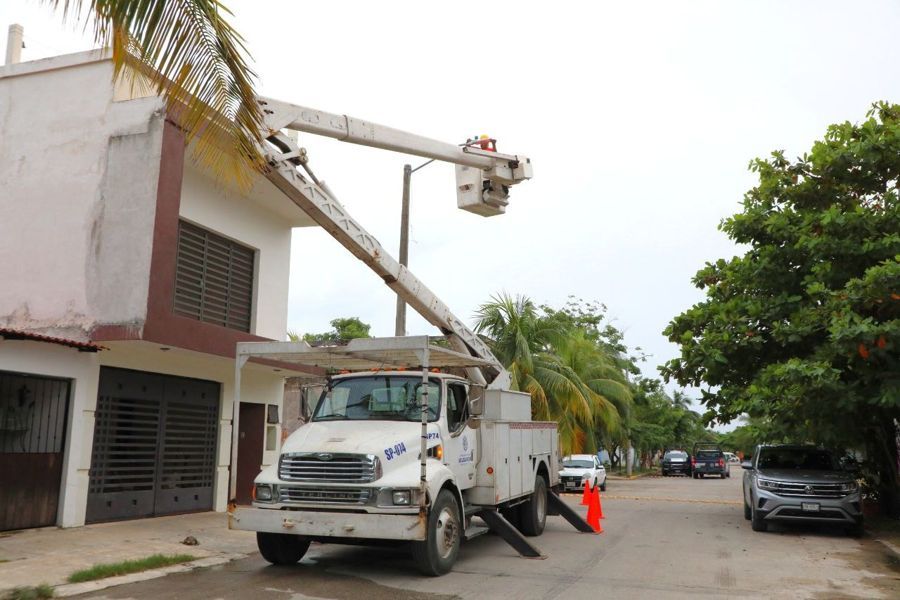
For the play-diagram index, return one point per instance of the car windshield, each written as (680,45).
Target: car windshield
(381,398)
(578,464)
(675,455)
(796,458)
(708,455)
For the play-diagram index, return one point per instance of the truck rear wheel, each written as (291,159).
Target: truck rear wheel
(437,553)
(281,548)
(533,512)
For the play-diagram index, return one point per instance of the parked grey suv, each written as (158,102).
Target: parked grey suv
(800,483)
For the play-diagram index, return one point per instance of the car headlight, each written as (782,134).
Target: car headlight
(767,484)
(849,486)
(263,492)
(586,476)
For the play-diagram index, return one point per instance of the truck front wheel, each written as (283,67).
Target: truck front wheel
(533,512)
(437,553)
(281,548)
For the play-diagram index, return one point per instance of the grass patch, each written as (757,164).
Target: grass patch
(39,592)
(125,567)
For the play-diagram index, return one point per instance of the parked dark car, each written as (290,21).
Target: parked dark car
(708,459)
(676,461)
(800,483)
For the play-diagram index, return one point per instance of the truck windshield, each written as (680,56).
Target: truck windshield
(382,398)
(796,458)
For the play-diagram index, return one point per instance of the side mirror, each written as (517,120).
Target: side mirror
(747,465)
(476,400)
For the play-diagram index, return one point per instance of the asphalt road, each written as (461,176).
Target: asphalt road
(670,537)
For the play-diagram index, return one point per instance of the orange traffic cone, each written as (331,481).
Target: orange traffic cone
(593,515)
(599,505)
(586,496)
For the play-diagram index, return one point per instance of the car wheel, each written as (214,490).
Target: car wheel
(748,513)
(756,521)
(281,548)
(856,530)
(603,486)
(436,554)
(696,476)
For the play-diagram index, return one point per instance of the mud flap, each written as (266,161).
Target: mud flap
(565,511)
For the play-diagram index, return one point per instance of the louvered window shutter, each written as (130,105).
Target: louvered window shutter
(213,278)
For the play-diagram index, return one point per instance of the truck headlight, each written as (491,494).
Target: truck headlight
(263,492)
(401,497)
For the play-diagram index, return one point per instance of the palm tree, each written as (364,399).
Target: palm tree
(553,364)
(188,53)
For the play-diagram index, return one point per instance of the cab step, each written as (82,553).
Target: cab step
(473,531)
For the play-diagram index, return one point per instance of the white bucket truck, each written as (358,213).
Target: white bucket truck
(397,447)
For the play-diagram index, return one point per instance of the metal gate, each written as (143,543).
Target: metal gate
(33,413)
(154,445)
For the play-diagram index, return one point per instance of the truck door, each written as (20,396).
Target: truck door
(459,444)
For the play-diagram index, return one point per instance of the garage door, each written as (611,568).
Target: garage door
(154,445)
(32,437)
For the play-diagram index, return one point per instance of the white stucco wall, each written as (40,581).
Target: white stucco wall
(83,368)
(78,174)
(232,215)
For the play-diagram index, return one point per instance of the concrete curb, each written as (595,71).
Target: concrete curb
(73,589)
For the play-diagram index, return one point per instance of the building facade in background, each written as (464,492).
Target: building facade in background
(128,276)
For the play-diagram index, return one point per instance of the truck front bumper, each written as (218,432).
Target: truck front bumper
(329,524)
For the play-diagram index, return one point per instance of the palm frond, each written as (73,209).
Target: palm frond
(192,56)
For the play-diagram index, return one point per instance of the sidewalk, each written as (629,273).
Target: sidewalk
(49,555)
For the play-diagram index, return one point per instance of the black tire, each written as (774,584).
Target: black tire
(857,530)
(665,473)
(696,475)
(281,548)
(437,553)
(603,486)
(748,513)
(533,512)
(756,521)
(723,476)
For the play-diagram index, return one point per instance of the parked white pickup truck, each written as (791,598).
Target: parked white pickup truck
(403,455)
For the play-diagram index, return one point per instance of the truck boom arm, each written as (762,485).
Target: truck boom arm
(284,156)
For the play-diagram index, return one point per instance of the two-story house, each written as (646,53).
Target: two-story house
(127,275)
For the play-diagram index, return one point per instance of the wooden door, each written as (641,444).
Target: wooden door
(33,413)
(252,428)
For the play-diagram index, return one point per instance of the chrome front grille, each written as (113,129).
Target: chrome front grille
(290,494)
(809,490)
(324,467)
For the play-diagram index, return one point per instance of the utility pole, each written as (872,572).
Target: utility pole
(400,321)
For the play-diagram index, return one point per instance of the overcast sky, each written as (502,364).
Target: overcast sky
(640,119)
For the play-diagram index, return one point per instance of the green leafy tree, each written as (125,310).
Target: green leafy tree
(803,329)
(189,54)
(558,361)
(343,329)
